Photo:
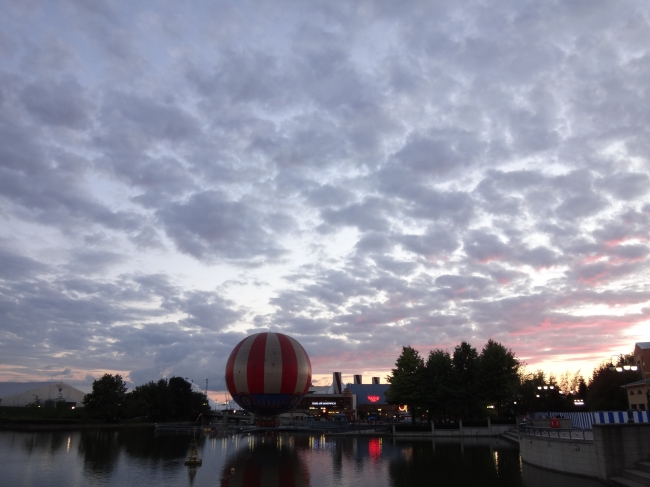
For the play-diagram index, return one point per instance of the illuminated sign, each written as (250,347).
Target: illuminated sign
(373,398)
(403,407)
(324,403)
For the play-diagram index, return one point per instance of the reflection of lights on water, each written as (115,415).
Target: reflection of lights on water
(520,463)
(408,453)
(495,454)
(374,448)
(69,439)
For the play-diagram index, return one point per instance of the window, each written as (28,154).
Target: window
(631,393)
(642,407)
(633,406)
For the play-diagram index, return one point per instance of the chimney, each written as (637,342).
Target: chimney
(357,379)
(375,380)
(337,384)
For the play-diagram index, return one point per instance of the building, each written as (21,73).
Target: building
(329,406)
(23,394)
(642,358)
(637,395)
(356,401)
(371,401)
(638,392)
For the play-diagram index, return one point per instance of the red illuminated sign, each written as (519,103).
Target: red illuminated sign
(373,398)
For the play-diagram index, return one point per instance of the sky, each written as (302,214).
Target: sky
(361,176)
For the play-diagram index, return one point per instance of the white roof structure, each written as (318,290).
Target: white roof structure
(23,393)
(643,345)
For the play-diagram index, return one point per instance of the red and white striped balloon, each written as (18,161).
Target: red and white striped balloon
(268,373)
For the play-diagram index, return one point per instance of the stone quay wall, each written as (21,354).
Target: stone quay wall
(572,456)
(613,448)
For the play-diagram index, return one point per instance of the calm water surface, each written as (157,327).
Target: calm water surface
(138,457)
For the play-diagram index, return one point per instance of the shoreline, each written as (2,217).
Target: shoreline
(70,427)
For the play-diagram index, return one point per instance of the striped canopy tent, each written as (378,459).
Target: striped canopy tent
(268,373)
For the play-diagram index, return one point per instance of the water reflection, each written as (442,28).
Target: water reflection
(99,450)
(49,444)
(271,459)
(139,457)
(465,462)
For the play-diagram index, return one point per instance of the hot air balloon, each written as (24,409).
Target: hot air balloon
(268,374)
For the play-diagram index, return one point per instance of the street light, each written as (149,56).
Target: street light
(620,368)
(546,388)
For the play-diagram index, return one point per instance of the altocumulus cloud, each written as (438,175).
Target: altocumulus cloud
(362,176)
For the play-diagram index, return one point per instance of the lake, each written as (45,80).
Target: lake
(137,457)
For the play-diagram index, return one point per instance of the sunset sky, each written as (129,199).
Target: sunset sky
(358,175)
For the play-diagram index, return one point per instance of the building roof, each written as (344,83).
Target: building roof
(643,345)
(641,382)
(8,389)
(318,389)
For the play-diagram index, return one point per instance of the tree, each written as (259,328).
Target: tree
(527,400)
(438,383)
(107,398)
(605,391)
(498,376)
(36,403)
(165,400)
(465,365)
(406,380)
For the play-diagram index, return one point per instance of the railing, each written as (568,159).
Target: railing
(560,433)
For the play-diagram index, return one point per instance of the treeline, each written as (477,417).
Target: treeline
(470,385)
(165,400)
(461,385)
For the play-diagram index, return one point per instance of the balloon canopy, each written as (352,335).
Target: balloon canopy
(268,373)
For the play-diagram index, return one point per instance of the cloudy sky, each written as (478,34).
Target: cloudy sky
(358,175)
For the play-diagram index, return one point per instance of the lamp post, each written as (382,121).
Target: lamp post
(620,368)
(546,388)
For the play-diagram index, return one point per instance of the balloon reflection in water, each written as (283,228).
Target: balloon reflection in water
(268,461)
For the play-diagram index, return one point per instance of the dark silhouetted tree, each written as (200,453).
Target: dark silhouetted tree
(406,381)
(605,391)
(107,398)
(498,374)
(465,395)
(438,383)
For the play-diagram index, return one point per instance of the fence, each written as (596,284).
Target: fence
(584,420)
(566,433)
(612,417)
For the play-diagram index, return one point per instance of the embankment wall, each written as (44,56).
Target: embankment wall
(614,447)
